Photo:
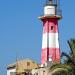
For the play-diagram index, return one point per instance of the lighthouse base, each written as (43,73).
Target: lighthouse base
(50,52)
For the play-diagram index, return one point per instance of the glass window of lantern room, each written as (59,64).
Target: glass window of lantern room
(50,11)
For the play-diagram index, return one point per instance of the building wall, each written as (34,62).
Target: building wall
(25,66)
(21,67)
(40,71)
(11,71)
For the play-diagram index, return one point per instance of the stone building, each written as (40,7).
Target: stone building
(22,67)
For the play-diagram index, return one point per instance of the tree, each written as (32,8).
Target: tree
(71,57)
(60,69)
(68,68)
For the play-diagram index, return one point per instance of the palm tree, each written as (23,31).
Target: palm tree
(60,69)
(68,68)
(71,57)
(72,50)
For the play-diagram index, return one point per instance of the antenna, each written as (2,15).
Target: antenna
(58,3)
(49,1)
(16,63)
(59,12)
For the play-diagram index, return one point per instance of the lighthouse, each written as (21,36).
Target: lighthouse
(50,37)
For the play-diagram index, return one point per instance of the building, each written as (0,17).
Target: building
(40,71)
(22,67)
(11,69)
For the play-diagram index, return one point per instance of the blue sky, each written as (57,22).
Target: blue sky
(21,30)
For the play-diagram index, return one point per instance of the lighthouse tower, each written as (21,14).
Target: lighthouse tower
(50,40)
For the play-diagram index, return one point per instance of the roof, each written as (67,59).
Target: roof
(11,66)
(21,63)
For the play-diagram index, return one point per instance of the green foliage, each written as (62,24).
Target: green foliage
(61,69)
(72,49)
(62,73)
(68,68)
(56,65)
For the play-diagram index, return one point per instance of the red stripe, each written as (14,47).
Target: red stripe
(48,23)
(54,52)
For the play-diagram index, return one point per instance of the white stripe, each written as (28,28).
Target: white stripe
(50,40)
(44,40)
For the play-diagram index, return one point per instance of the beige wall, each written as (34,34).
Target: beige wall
(25,66)
(40,71)
(22,66)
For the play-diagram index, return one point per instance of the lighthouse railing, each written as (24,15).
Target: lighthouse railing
(58,12)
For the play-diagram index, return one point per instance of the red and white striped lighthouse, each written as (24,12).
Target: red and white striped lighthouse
(50,40)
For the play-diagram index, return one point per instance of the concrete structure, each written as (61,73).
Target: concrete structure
(22,67)
(11,69)
(50,40)
(40,71)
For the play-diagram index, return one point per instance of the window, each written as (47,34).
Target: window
(36,73)
(52,27)
(28,63)
(43,72)
(50,11)
(27,73)
(12,73)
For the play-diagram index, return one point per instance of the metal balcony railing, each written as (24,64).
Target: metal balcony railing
(58,12)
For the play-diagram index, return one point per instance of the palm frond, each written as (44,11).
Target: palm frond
(60,69)
(72,46)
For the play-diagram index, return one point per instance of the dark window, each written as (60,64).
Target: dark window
(36,73)
(25,73)
(52,27)
(28,63)
(28,73)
